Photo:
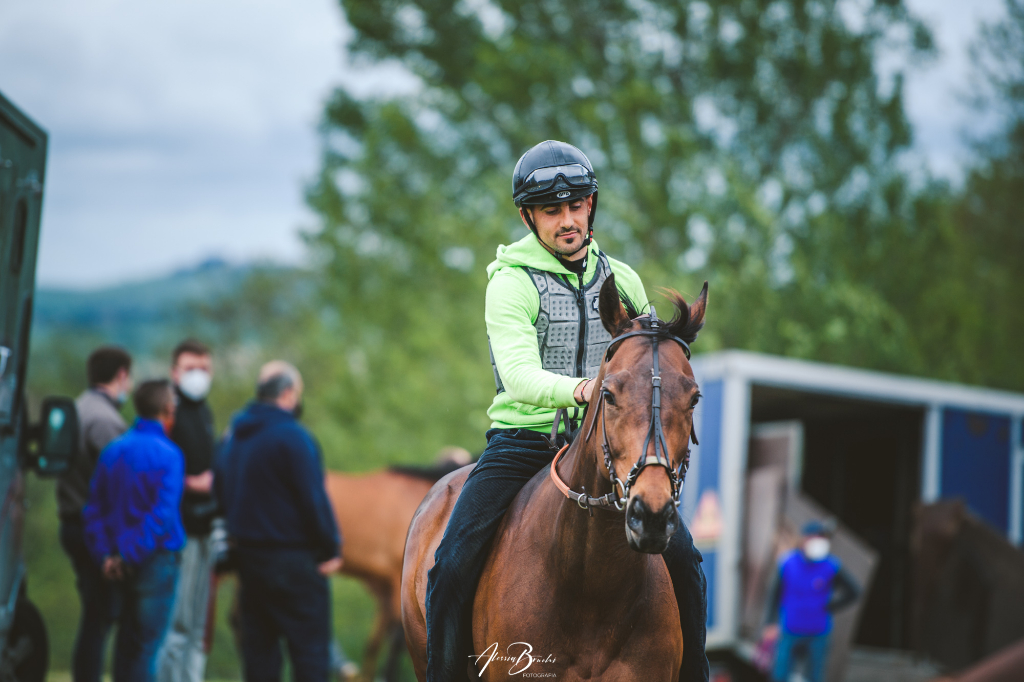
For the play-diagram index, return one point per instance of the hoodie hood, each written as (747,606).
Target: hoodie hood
(528,252)
(258,416)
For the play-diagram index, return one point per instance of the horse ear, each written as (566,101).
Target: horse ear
(689,319)
(699,307)
(613,314)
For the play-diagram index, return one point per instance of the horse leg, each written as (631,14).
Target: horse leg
(380,629)
(395,650)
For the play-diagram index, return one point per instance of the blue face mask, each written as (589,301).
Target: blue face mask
(121,398)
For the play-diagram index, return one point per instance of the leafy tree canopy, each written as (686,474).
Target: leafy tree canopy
(754,144)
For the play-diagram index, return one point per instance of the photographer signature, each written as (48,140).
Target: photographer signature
(520,662)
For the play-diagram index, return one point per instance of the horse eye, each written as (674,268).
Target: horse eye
(608,397)
(695,400)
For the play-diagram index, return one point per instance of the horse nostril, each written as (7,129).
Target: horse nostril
(635,515)
(672,523)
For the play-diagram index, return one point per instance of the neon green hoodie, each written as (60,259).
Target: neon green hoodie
(532,394)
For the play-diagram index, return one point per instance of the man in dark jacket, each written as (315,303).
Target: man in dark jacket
(99,417)
(183,657)
(269,480)
(133,528)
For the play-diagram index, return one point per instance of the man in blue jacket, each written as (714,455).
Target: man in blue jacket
(811,586)
(269,480)
(133,528)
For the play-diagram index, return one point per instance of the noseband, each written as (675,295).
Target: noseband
(654,433)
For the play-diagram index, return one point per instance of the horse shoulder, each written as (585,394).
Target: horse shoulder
(510,595)
(425,532)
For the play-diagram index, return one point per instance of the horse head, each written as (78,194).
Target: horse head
(644,401)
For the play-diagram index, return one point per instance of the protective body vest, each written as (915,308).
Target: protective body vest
(570,335)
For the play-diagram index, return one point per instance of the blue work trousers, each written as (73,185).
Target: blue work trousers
(511,459)
(284,597)
(147,597)
(789,646)
(100,604)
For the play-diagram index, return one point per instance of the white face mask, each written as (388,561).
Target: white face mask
(195,383)
(817,549)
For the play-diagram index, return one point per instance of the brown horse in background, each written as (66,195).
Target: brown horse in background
(968,586)
(590,601)
(373,511)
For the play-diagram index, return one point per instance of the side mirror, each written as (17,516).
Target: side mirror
(56,436)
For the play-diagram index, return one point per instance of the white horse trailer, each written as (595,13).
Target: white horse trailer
(865,447)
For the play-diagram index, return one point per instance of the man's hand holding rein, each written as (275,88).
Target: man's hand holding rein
(584,391)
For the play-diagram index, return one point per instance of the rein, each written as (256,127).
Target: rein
(654,433)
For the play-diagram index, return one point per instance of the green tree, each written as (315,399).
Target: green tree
(988,214)
(754,144)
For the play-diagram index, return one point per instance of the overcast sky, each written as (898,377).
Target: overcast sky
(184,130)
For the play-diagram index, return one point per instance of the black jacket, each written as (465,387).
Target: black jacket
(193,433)
(269,481)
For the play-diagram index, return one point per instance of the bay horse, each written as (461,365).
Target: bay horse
(565,591)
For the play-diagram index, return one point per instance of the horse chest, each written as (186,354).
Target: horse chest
(528,617)
(526,627)
(581,658)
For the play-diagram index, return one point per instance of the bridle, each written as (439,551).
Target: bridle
(654,433)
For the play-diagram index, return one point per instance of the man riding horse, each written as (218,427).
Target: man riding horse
(547,342)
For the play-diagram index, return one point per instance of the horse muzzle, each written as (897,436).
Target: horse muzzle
(648,530)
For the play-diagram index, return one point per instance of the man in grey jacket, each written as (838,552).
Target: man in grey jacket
(109,374)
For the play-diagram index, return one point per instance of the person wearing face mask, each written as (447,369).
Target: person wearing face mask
(183,656)
(811,586)
(99,416)
(133,528)
(269,480)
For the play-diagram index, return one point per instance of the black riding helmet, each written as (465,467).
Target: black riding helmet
(550,173)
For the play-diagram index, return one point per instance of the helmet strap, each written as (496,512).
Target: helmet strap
(529,220)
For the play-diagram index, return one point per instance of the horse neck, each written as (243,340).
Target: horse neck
(591,552)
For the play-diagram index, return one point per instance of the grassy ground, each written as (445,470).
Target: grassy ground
(51,585)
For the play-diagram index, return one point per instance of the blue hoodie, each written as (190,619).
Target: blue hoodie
(135,495)
(269,480)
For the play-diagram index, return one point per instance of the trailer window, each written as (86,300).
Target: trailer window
(18,242)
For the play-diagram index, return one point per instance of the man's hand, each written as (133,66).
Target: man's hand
(331,566)
(200,483)
(113,568)
(584,391)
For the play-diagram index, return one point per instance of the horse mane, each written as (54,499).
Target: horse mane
(632,309)
(686,322)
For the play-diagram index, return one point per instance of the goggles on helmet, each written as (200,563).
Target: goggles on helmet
(543,179)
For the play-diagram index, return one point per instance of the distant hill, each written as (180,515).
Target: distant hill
(139,315)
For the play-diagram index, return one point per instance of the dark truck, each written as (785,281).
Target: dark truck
(45,447)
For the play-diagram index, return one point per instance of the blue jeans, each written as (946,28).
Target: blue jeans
(100,602)
(284,596)
(147,597)
(511,459)
(816,648)
(183,655)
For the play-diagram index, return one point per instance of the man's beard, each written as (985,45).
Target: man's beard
(567,250)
